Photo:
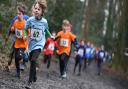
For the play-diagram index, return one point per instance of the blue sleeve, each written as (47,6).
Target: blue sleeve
(26,17)
(11,23)
(8,33)
(75,43)
(13,20)
(27,25)
(77,48)
(46,25)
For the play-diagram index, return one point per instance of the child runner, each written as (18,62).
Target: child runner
(21,42)
(87,54)
(25,17)
(49,49)
(65,40)
(38,27)
(80,51)
(101,56)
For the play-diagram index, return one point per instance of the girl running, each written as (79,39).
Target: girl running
(49,48)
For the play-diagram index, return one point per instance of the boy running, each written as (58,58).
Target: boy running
(80,51)
(65,40)
(87,55)
(21,42)
(101,56)
(25,17)
(38,27)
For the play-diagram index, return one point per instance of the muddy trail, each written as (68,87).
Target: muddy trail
(49,79)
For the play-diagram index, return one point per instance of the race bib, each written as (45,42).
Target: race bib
(18,33)
(81,52)
(64,42)
(36,34)
(88,50)
(51,47)
(101,54)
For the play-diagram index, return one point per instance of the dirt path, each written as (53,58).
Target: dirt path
(88,80)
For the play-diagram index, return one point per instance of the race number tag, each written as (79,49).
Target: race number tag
(88,50)
(101,54)
(36,34)
(51,47)
(18,33)
(64,42)
(81,52)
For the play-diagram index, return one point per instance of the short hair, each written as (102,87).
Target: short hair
(21,8)
(65,21)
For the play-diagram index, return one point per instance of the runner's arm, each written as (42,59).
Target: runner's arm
(9,30)
(75,43)
(48,33)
